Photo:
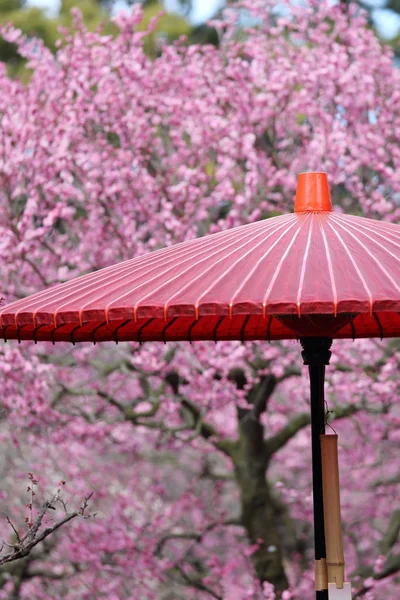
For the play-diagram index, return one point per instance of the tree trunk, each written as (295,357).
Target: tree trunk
(258,514)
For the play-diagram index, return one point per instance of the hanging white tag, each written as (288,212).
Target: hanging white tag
(335,594)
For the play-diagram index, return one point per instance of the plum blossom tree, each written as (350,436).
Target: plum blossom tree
(198,458)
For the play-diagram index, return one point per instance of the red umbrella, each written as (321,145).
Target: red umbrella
(242,283)
(315,274)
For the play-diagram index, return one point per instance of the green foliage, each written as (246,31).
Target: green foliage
(93,15)
(33,22)
(169,26)
(10,5)
(394,5)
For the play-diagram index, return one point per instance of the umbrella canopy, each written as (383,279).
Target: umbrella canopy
(315,273)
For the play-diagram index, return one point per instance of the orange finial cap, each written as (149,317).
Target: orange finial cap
(312,193)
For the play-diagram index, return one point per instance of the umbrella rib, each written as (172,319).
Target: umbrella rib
(69,287)
(331,272)
(19,332)
(95,331)
(221,246)
(355,265)
(363,231)
(4,330)
(190,329)
(216,327)
(164,331)
(34,332)
(115,333)
(139,333)
(353,330)
(53,331)
(106,281)
(252,271)
(72,337)
(233,266)
(193,266)
(379,325)
(382,268)
(384,226)
(303,267)
(70,290)
(107,308)
(90,278)
(242,331)
(277,271)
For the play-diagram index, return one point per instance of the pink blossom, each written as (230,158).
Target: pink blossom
(106,154)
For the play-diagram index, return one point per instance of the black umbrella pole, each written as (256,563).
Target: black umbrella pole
(316,354)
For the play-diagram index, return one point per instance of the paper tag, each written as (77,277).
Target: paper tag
(335,594)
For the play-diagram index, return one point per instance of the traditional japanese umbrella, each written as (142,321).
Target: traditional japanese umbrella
(313,275)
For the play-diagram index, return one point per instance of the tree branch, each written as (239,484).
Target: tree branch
(392,532)
(276,442)
(128,410)
(298,422)
(194,535)
(384,482)
(391,567)
(32,538)
(191,415)
(206,430)
(196,583)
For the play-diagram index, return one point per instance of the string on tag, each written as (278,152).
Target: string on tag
(327,413)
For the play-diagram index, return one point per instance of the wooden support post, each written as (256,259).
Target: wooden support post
(332,516)
(338,589)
